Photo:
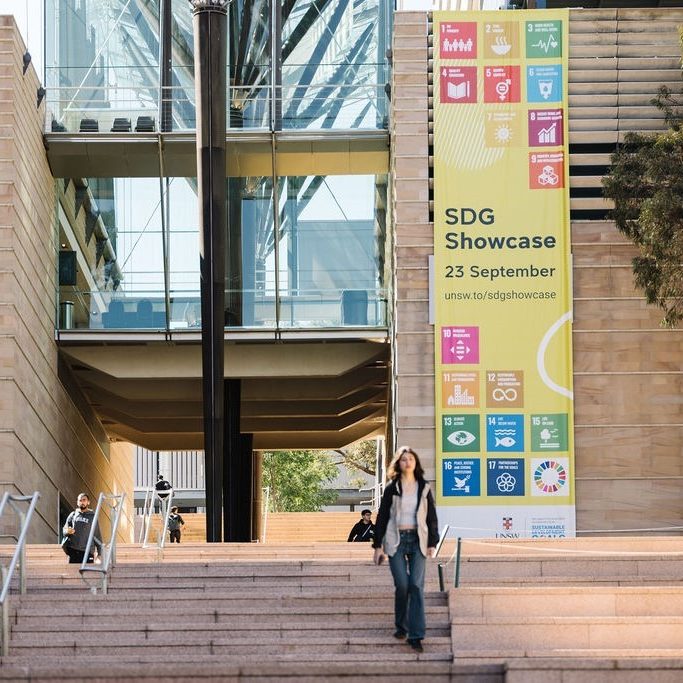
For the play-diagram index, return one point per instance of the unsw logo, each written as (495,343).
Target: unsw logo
(507,529)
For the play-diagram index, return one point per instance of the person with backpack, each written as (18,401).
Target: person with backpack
(77,531)
(162,486)
(175,521)
(364,530)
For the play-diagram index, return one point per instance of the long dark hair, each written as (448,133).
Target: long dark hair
(394,470)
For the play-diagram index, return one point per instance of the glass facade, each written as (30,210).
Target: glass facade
(316,265)
(302,251)
(325,69)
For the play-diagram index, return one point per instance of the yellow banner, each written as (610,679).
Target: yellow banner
(502,274)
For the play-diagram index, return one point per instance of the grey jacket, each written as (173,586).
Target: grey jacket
(386,528)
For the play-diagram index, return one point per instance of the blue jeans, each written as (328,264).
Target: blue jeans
(408,569)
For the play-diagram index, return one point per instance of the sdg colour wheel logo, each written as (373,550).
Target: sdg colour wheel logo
(550,477)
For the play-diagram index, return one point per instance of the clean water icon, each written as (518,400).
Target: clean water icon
(544,83)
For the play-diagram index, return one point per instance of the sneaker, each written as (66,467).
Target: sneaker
(400,635)
(416,644)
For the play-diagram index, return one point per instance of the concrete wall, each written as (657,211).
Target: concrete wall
(49,440)
(627,369)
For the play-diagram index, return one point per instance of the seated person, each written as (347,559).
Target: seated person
(363,530)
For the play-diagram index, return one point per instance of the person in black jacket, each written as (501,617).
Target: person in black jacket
(77,529)
(363,530)
(407,530)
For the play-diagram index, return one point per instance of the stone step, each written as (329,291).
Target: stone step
(237,633)
(576,665)
(103,616)
(580,658)
(346,667)
(294,568)
(121,645)
(546,633)
(318,596)
(567,601)
(596,567)
(585,581)
(213,583)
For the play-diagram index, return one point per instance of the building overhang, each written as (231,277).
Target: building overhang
(249,153)
(323,393)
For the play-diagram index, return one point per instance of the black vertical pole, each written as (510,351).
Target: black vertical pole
(210,55)
(165,66)
(276,59)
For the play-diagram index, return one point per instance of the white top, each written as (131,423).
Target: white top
(407,515)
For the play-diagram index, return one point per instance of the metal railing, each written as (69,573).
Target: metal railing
(150,109)
(317,309)
(374,501)
(18,557)
(442,565)
(164,499)
(266,505)
(102,570)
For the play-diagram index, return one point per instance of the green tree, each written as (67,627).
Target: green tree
(359,457)
(645,182)
(296,480)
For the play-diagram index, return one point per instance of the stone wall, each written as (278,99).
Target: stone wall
(49,440)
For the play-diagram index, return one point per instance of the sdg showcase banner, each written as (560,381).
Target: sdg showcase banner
(502,274)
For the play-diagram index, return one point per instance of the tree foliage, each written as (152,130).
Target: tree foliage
(359,457)
(645,182)
(297,479)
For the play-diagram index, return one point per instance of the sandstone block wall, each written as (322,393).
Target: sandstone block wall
(49,440)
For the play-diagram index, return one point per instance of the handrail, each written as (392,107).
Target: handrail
(19,556)
(266,504)
(165,498)
(442,538)
(146,516)
(115,503)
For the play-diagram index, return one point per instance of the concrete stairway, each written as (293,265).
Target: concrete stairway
(615,561)
(526,611)
(225,612)
(282,527)
(590,609)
